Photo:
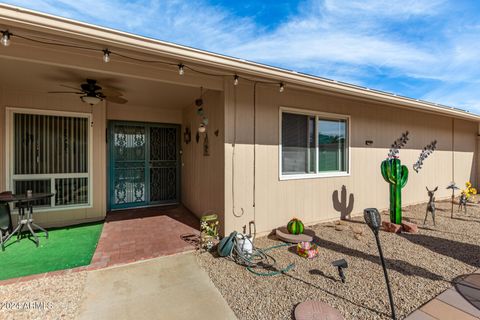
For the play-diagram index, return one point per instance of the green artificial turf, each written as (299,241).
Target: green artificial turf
(65,248)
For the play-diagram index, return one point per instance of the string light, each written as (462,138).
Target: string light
(6,38)
(106,55)
(181,69)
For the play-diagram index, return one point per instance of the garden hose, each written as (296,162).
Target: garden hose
(258,258)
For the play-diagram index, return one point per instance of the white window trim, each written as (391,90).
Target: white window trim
(316,114)
(9,161)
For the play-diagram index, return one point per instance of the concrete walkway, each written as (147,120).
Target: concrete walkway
(173,287)
(451,304)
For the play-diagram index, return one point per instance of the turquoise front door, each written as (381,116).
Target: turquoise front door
(144,165)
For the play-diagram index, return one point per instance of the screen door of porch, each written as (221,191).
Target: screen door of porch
(144,164)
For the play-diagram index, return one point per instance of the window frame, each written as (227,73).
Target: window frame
(10,154)
(318,115)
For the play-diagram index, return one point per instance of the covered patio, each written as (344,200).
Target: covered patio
(154,184)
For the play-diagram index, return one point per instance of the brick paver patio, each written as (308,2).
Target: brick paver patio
(137,234)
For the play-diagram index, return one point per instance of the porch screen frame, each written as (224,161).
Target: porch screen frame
(319,115)
(10,157)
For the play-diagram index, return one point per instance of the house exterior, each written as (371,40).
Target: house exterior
(277,145)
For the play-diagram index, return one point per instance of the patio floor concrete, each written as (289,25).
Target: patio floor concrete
(173,287)
(137,234)
(451,304)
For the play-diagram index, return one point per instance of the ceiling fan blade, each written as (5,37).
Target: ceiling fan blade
(111,92)
(70,87)
(118,100)
(66,92)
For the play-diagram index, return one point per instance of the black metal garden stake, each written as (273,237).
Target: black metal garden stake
(374,221)
(454,187)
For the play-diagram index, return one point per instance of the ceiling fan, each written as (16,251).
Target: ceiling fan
(91,93)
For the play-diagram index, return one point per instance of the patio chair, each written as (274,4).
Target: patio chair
(5,222)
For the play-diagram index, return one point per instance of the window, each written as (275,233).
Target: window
(50,154)
(313,144)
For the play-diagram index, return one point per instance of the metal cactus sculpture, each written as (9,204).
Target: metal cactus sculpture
(396,175)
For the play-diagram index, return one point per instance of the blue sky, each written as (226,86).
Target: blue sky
(421,49)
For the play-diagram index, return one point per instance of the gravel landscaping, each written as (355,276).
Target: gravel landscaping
(52,297)
(420,267)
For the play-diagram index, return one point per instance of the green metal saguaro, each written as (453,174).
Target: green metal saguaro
(396,175)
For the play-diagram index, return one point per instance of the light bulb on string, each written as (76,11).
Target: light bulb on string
(106,55)
(5,38)
(235,80)
(282,87)
(181,69)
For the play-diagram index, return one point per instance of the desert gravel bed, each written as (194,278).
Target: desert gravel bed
(59,296)
(420,267)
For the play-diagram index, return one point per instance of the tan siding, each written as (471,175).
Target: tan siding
(311,199)
(127,112)
(202,176)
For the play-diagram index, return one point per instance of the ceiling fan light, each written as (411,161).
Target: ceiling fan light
(91,100)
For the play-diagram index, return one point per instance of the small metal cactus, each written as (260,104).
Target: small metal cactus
(431,204)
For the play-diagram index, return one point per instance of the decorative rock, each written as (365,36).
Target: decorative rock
(339,228)
(316,310)
(283,234)
(409,227)
(391,227)
(357,230)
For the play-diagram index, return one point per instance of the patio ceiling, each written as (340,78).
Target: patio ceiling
(41,78)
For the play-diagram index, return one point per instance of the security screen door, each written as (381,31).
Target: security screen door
(144,164)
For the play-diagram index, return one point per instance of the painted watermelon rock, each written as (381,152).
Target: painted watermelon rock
(295,226)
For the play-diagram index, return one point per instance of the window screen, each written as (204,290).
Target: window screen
(51,156)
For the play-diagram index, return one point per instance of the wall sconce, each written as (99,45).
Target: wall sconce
(368,142)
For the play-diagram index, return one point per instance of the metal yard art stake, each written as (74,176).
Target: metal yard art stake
(374,221)
(454,187)
(396,175)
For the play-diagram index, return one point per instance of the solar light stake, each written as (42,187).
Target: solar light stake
(341,264)
(374,221)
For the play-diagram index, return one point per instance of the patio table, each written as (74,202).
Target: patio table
(25,213)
